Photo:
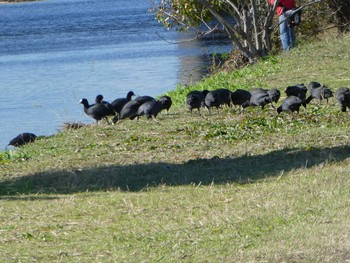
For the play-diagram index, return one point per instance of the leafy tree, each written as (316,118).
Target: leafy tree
(248,23)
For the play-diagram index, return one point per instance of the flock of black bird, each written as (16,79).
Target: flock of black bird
(124,108)
(128,108)
(296,97)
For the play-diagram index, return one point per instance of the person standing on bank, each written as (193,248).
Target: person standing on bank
(287,33)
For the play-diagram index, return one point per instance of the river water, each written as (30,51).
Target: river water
(55,52)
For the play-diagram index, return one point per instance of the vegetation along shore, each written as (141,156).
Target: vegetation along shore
(228,186)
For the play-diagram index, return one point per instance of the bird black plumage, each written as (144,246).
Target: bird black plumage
(274,95)
(97,111)
(195,99)
(319,92)
(151,108)
(130,109)
(342,95)
(22,139)
(119,103)
(290,104)
(299,91)
(218,97)
(240,96)
(259,99)
(166,102)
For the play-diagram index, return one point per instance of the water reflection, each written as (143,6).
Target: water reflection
(199,54)
(192,69)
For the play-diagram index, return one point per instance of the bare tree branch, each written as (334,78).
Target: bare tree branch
(233,31)
(234,7)
(199,35)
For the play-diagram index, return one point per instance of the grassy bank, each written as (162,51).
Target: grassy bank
(225,187)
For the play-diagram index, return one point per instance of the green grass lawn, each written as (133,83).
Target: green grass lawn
(226,187)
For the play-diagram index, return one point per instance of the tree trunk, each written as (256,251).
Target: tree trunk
(252,32)
(342,13)
(248,23)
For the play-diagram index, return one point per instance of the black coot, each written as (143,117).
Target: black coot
(274,94)
(195,99)
(130,109)
(119,103)
(342,96)
(240,96)
(290,104)
(258,99)
(22,139)
(97,111)
(218,97)
(99,99)
(151,108)
(319,92)
(313,85)
(166,102)
(299,90)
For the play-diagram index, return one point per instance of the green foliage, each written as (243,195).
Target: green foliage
(247,25)
(225,187)
(315,18)
(4,156)
(190,13)
(183,14)
(14,155)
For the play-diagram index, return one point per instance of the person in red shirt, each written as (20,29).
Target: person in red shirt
(287,33)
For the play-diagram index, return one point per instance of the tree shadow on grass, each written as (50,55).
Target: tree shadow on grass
(136,177)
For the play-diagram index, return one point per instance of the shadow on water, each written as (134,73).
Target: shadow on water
(137,177)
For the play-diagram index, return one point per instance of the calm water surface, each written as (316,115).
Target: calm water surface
(54,52)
